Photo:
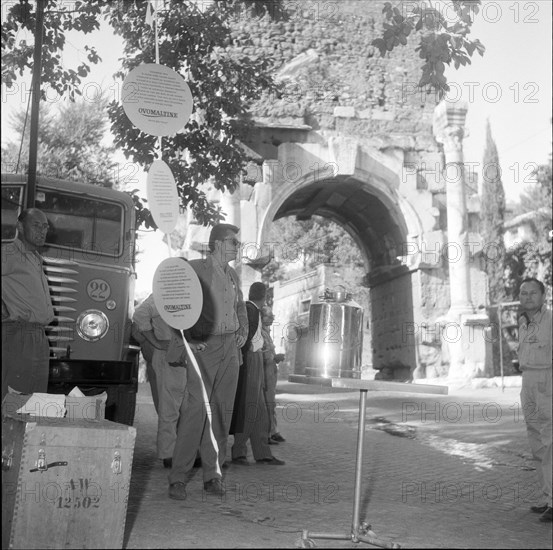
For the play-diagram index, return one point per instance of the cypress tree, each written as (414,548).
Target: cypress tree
(492,213)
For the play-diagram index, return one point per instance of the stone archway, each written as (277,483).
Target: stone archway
(360,192)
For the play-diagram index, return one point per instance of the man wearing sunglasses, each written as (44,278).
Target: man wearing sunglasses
(216,338)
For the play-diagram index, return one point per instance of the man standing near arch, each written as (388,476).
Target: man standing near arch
(534,355)
(216,338)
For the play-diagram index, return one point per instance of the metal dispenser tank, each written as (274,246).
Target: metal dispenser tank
(336,337)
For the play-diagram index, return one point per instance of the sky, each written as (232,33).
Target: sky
(510,85)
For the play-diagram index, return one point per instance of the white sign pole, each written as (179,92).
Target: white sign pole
(156,33)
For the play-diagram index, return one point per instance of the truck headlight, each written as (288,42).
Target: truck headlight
(92,325)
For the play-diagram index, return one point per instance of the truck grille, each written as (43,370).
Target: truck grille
(62,278)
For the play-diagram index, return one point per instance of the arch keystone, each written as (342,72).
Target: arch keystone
(344,152)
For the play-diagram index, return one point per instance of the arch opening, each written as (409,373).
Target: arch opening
(374,220)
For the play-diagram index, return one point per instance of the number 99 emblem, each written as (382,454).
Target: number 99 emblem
(98,290)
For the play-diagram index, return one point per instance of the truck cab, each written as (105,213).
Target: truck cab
(89,260)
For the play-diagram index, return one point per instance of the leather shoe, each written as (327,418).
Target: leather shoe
(278,438)
(214,486)
(271,461)
(272,441)
(177,490)
(241,460)
(538,509)
(547,516)
(167,462)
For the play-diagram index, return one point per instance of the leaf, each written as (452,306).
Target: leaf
(425,79)
(480,47)
(380,44)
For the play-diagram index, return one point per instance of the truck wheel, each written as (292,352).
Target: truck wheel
(121,404)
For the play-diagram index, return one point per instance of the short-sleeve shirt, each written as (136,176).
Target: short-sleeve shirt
(147,317)
(25,291)
(534,350)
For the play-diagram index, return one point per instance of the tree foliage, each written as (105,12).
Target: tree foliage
(194,40)
(533,258)
(59,18)
(69,141)
(444,30)
(223,82)
(303,245)
(492,215)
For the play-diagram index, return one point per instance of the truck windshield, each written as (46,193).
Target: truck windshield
(76,222)
(12,197)
(82,223)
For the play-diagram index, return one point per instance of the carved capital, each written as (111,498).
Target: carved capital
(452,138)
(449,125)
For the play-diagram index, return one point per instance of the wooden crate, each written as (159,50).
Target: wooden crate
(65,483)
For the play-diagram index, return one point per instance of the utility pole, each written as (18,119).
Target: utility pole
(35,104)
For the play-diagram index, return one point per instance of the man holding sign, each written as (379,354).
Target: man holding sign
(222,328)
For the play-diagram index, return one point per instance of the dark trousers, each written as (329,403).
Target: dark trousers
(256,423)
(271,376)
(25,357)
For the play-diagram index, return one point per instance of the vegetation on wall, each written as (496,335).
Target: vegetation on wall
(444,30)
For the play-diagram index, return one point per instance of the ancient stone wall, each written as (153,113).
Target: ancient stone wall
(334,86)
(324,59)
(392,323)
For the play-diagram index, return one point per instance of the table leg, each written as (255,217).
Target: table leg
(359,462)
(360,531)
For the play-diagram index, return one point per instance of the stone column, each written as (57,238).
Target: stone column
(449,129)
(230,205)
(462,330)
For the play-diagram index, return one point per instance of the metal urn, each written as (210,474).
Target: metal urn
(335,337)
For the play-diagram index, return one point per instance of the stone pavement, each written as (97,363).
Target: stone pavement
(439,472)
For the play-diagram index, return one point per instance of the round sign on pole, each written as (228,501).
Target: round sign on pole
(177,293)
(156,99)
(163,197)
